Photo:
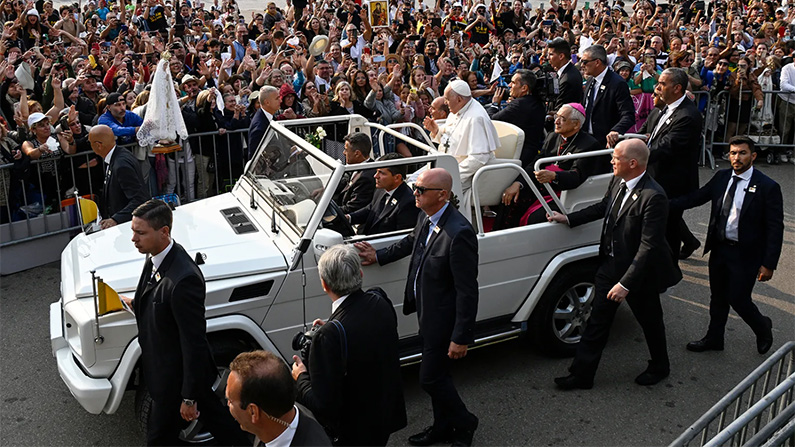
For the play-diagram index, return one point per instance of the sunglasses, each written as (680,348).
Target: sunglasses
(422,189)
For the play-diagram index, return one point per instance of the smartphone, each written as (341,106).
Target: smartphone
(379,58)
(436,21)
(321,89)
(587,6)
(547,23)
(125,29)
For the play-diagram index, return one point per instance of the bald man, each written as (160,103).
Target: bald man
(468,134)
(442,287)
(636,265)
(268,106)
(124,187)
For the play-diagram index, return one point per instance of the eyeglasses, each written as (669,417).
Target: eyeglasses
(421,189)
(723,63)
(587,61)
(392,61)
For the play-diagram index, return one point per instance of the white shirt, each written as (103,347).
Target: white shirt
(336,303)
(270,117)
(788,83)
(109,155)
(631,184)
(158,258)
(356,49)
(597,82)
(671,108)
(286,438)
(560,71)
(733,222)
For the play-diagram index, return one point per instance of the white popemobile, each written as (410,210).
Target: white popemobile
(258,246)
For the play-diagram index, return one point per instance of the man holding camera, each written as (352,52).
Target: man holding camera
(349,376)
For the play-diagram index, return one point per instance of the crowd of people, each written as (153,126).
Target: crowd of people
(80,66)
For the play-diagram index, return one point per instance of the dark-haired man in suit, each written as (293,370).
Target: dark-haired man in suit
(609,111)
(675,142)
(178,367)
(357,188)
(392,207)
(636,265)
(124,187)
(745,234)
(442,287)
(569,77)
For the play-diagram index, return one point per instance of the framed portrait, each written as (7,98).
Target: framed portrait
(379,13)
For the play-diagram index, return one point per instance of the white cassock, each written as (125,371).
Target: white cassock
(471,138)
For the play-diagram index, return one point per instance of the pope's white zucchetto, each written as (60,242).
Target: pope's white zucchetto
(461,87)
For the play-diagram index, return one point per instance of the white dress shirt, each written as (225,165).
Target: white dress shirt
(286,438)
(337,303)
(158,258)
(597,82)
(733,222)
(670,109)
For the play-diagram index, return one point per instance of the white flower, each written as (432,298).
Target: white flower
(321,133)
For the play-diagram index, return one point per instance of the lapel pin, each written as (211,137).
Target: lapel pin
(602,88)
(752,189)
(394,201)
(157,277)
(634,196)
(436,229)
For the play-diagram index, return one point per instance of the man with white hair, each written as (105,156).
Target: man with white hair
(468,134)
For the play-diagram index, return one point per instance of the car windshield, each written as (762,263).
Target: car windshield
(292,178)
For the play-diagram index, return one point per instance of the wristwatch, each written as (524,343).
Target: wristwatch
(189,402)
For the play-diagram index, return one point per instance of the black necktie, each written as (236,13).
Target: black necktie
(382,204)
(416,259)
(658,124)
(613,216)
(589,105)
(726,209)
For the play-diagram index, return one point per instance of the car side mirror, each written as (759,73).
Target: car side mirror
(323,240)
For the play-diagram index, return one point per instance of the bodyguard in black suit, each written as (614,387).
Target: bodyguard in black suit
(442,288)
(569,77)
(353,382)
(745,234)
(524,111)
(261,396)
(636,265)
(124,187)
(609,110)
(178,367)
(357,189)
(269,104)
(392,207)
(674,142)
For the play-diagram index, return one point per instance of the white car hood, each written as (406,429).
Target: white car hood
(198,227)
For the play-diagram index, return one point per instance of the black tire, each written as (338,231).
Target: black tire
(559,319)
(224,348)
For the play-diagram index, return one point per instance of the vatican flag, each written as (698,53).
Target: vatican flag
(88,210)
(109,300)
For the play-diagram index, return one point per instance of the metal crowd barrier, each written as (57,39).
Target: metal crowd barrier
(771,127)
(759,410)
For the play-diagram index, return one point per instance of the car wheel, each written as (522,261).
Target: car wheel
(563,311)
(224,349)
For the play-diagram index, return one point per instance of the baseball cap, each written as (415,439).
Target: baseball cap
(113,98)
(35,118)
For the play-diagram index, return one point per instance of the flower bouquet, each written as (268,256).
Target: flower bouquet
(316,138)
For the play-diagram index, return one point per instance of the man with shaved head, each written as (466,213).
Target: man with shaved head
(636,265)
(442,287)
(124,187)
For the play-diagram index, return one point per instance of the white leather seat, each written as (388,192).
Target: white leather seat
(491,184)
(591,191)
(511,140)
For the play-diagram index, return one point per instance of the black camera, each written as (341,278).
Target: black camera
(302,342)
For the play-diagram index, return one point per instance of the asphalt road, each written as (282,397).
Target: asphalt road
(509,385)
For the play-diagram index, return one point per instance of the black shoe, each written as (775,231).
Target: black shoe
(688,249)
(705,344)
(765,342)
(462,437)
(431,436)
(651,377)
(571,382)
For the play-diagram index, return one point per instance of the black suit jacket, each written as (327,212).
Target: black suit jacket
(761,227)
(124,186)
(308,433)
(172,330)
(256,131)
(447,284)
(574,172)
(528,114)
(356,191)
(613,109)
(353,385)
(673,160)
(638,239)
(399,213)
(569,87)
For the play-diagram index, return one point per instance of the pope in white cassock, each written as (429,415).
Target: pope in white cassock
(467,134)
